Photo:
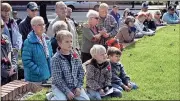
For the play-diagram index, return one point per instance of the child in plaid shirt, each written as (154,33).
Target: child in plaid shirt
(67,71)
(119,78)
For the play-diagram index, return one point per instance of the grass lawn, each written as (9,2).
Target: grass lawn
(153,64)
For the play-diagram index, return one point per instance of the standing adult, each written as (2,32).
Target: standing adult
(61,11)
(115,13)
(11,28)
(18,20)
(37,52)
(69,12)
(25,25)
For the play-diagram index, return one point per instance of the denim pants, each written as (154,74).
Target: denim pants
(95,95)
(133,85)
(59,95)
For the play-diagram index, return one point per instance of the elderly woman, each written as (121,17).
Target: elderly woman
(37,53)
(91,35)
(141,30)
(57,26)
(157,19)
(11,28)
(127,31)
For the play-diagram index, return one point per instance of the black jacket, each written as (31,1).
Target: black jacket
(25,27)
(150,24)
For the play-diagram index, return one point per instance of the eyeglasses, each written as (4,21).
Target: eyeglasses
(2,26)
(34,10)
(97,18)
(40,24)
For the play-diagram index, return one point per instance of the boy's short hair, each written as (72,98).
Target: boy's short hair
(97,49)
(113,50)
(63,33)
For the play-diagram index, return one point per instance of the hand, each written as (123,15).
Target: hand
(70,96)
(129,85)
(126,88)
(106,35)
(101,92)
(102,32)
(12,72)
(77,92)
(98,36)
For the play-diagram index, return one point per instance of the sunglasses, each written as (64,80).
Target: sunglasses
(2,26)
(40,24)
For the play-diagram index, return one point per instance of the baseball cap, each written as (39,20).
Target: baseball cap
(171,7)
(32,6)
(115,6)
(145,5)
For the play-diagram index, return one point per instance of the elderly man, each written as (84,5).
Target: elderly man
(61,11)
(25,26)
(11,28)
(37,52)
(107,24)
(171,17)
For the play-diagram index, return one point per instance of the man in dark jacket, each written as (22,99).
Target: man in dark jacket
(25,25)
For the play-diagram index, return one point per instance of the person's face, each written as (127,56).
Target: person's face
(69,12)
(149,16)
(116,9)
(145,9)
(39,28)
(94,20)
(32,13)
(114,58)
(66,44)
(157,16)
(5,14)
(103,12)
(61,10)
(131,24)
(14,15)
(171,11)
(102,57)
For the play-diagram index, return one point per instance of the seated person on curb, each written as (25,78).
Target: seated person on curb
(8,59)
(141,30)
(67,70)
(98,75)
(149,22)
(170,16)
(119,78)
(157,19)
(127,31)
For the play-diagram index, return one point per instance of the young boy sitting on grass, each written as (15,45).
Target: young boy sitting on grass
(98,74)
(119,78)
(67,71)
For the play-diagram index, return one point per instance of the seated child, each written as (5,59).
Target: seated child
(149,22)
(98,74)
(119,78)
(67,71)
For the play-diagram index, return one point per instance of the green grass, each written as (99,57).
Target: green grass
(153,64)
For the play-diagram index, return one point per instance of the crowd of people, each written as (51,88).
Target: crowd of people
(55,53)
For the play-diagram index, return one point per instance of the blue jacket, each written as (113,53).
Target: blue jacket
(36,65)
(170,19)
(116,16)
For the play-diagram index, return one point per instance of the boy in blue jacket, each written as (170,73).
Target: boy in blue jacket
(119,78)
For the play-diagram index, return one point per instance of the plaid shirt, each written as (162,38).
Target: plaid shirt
(66,76)
(110,24)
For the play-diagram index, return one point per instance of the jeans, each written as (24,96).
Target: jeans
(133,85)
(59,95)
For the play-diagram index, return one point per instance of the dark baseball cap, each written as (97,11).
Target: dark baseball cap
(171,7)
(145,5)
(32,6)
(115,6)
